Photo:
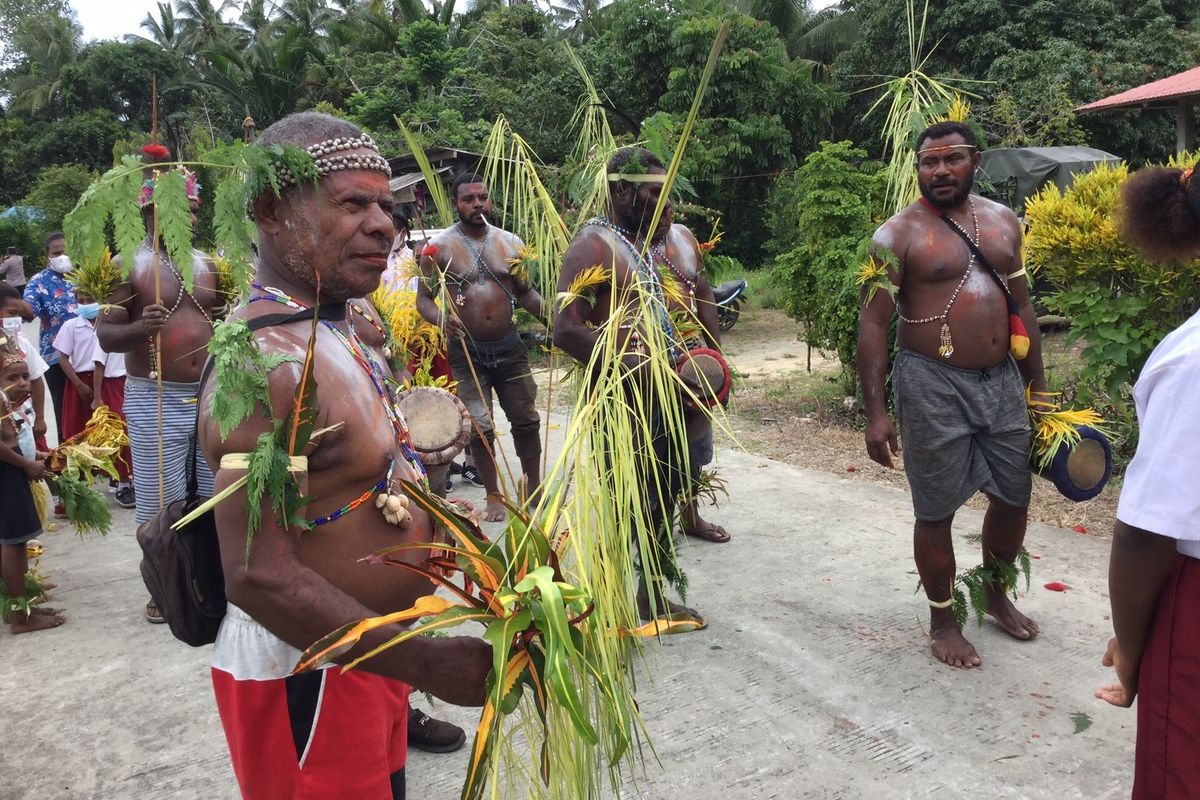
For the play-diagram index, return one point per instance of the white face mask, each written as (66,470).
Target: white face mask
(12,324)
(61,264)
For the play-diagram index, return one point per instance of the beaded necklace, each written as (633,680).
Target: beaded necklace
(690,284)
(648,275)
(382,388)
(945,343)
(155,360)
(387,349)
(481,266)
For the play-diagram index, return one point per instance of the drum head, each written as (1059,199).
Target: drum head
(1081,470)
(1087,465)
(438,422)
(706,374)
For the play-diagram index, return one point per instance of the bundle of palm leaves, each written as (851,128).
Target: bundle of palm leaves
(96,277)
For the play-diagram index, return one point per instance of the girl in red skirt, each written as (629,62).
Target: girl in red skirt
(76,343)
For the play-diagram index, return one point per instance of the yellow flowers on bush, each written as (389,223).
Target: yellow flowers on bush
(1119,305)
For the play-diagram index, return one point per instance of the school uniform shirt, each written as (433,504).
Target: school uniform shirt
(77,340)
(113,363)
(53,300)
(1160,493)
(401,273)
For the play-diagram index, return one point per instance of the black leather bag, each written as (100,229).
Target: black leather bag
(182,569)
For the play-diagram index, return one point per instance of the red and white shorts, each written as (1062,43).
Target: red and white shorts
(323,735)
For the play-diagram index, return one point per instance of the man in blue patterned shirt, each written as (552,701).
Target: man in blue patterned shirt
(53,300)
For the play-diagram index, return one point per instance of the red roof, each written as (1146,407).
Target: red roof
(1184,84)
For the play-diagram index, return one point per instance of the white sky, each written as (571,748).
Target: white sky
(112,19)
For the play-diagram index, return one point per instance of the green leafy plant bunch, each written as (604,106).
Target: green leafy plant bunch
(109,214)
(1119,304)
(549,649)
(817,276)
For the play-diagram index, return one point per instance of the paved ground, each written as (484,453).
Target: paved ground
(813,679)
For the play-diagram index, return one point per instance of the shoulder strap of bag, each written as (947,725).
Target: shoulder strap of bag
(324,311)
(1009,300)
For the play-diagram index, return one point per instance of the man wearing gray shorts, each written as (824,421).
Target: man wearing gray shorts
(476,270)
(959,394)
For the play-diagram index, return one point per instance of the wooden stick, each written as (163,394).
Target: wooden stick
(158,359)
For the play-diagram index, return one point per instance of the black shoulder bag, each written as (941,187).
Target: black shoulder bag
(182,568)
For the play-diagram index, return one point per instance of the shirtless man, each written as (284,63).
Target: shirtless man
(682,259)
(616,240)
(959,395)
(470,259)
(296,586)
(131,322)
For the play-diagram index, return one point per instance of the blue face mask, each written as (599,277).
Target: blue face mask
(88,310)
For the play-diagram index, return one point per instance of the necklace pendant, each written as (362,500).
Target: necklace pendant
(945,344)
(153,374)
(459,300)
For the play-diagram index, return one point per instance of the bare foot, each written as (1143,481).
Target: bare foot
(1001,609)
(36,622)
(495,511)
(951,647)
(40,611)
(46,586)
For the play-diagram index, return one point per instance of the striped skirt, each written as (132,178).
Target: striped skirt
(177,428)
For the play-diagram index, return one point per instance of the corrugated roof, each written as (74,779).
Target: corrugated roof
(1184,84)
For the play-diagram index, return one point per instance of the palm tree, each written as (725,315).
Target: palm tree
(823,36)
(201,25)
(50,43)
(163,29)
(267,80)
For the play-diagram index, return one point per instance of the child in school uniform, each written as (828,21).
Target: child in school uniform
(76,343)
(108,389)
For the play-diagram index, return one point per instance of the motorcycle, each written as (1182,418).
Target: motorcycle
(729,296)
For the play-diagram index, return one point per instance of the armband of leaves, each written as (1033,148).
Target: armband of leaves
(875,274)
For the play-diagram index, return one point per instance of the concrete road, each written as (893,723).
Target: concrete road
(814,679)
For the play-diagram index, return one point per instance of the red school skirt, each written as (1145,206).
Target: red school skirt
(1167,760)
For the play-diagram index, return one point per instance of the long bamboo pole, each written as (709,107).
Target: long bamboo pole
(158,358)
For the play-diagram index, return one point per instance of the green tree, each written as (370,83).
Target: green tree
(48,44)
(57,190)
(1092,47)
(14,12)
(817,276)
(762,112)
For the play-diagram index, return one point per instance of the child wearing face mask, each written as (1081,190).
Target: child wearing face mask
(13,312)
(76,344)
